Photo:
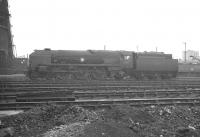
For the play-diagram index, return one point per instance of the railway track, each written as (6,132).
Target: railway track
(186,79)
(22,85)
(70,95)
(105,103)
(104,81)
(24,95)
(89,98)
(138,94)
(97,88)
(98,84)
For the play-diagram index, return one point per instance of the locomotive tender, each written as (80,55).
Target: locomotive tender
(101,64)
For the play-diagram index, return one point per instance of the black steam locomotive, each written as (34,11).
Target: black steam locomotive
(101,64)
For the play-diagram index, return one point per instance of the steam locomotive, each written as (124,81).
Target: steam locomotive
(101,64)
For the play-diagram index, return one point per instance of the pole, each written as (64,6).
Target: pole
(185,51)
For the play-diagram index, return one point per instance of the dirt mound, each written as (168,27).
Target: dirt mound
(128,114)
(70,130)
(107,129)
(41,119)
(156,121)
(120,121)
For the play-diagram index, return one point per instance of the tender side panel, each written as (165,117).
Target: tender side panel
(156,64)
(154,55)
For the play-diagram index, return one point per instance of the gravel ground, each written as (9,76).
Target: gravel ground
(121,121)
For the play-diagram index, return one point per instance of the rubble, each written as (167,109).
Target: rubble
(120,121)
(107,129)
(70,130)
(41,119)
(7,132)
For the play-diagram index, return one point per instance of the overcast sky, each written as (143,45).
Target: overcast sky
(118,24)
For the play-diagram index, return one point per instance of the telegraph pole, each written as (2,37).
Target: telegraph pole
(137,47)
(185,51)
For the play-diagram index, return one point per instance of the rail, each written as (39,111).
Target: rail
(105,103)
